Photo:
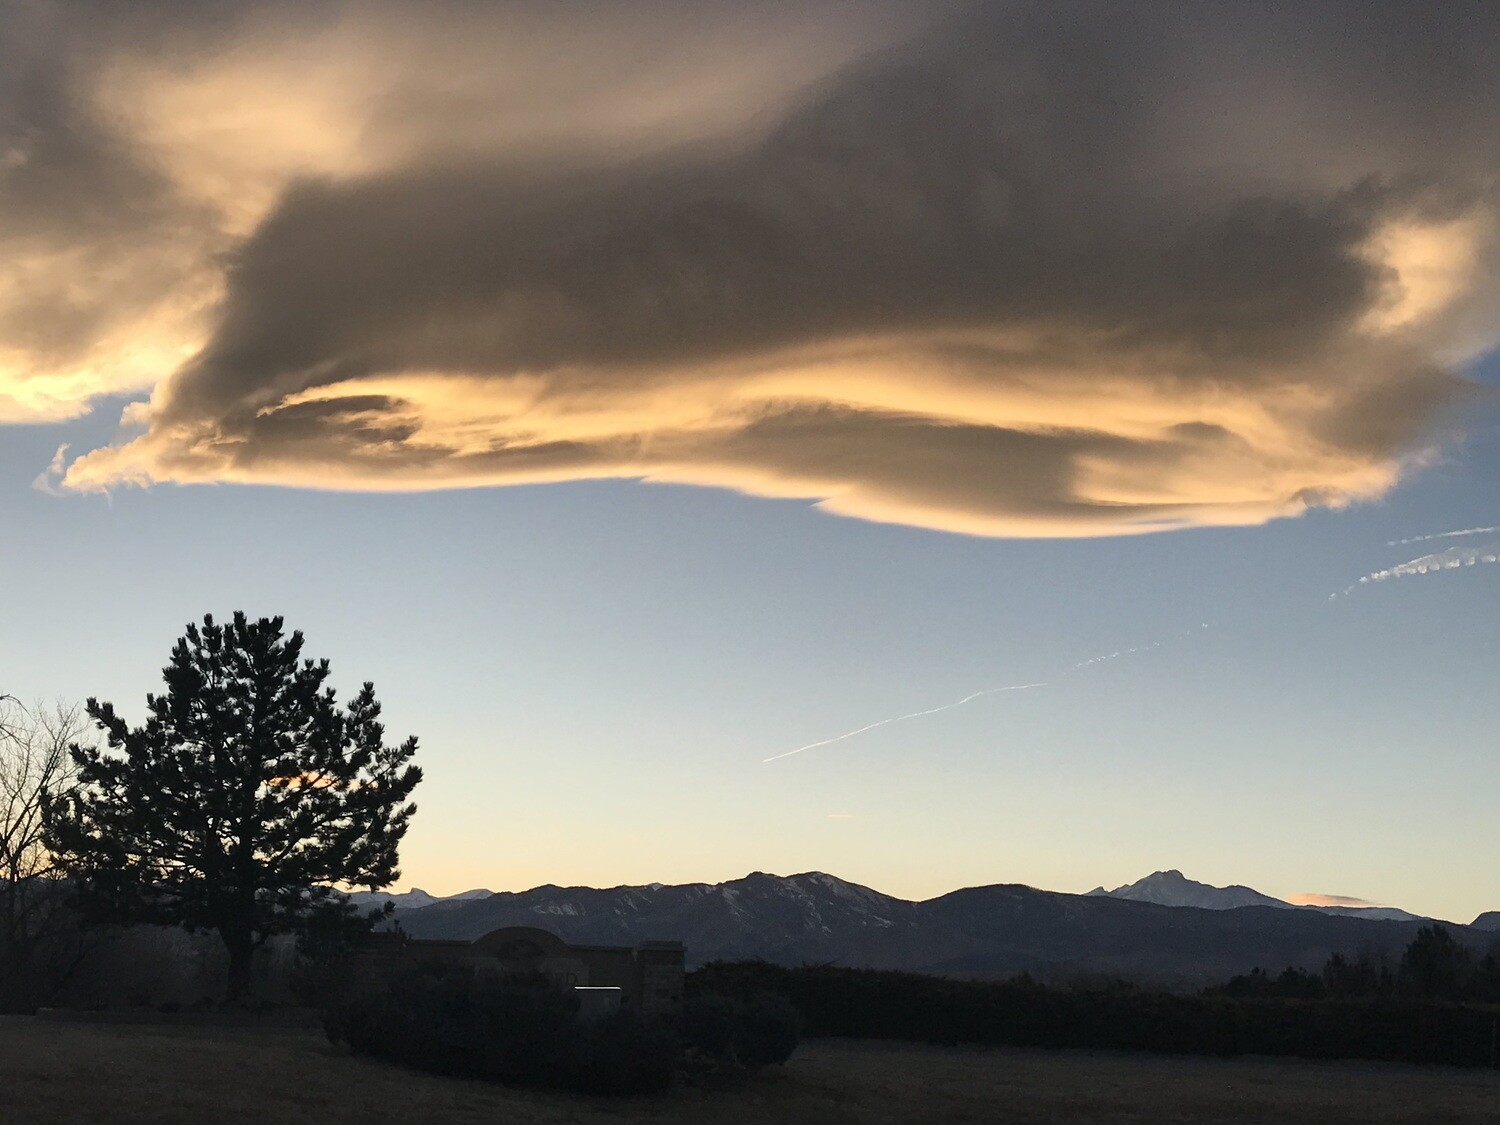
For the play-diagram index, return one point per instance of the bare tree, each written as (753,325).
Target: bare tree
(40,943)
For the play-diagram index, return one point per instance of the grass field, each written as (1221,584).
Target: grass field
(57,1073)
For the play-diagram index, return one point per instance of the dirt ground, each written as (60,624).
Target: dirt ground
(56,1073)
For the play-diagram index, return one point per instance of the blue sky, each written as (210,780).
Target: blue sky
(596,671)
(400,311)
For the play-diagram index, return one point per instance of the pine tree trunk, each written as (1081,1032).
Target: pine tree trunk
(241,952)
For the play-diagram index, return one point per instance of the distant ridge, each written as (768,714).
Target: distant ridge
(1489,920)
(414,899)
(986,931)
(1372,913)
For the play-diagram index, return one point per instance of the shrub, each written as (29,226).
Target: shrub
(740,1032)
(460,1020)
(623,1054)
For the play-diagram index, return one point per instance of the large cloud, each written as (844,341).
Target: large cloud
(1035,269)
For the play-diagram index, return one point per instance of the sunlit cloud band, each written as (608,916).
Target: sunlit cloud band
(1015,270)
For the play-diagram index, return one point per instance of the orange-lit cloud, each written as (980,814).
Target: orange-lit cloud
(139,146)
(1000,277)
(1331,900)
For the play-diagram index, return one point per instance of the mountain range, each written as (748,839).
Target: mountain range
(978,931)
(1173,888)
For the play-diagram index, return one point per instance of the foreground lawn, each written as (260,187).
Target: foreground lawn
(53,1073)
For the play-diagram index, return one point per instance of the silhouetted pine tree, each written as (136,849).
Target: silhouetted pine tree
(246,795)
(1434,964)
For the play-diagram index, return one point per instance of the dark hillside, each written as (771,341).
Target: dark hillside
(982,931)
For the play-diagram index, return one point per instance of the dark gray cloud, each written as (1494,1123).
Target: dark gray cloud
(1051,268)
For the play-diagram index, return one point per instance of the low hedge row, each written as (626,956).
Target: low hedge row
(864,1003)
(525,1030)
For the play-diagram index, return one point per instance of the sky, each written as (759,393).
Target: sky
(647,396)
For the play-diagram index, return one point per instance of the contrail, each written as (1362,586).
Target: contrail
(1442,535)
(1082,664)
(1453,558)
(902,718)
(1091,661)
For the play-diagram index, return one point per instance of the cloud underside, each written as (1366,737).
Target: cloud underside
(1102,272)
(999,459)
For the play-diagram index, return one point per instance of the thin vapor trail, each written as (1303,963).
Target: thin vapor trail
(1454,558)
(902,718)
(1442,535)
(1132,651)
(1082,664)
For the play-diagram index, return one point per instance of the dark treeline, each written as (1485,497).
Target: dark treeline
(1433,967)
(1407,1017)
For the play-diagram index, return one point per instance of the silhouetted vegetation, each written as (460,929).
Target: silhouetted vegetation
(1433,967)
(1297,1020)
(327,940)
(247,795)
(42,937)
(465,1020)
(739,1033)
(457,1020)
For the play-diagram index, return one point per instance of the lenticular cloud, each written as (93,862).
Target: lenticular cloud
(1047,268)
